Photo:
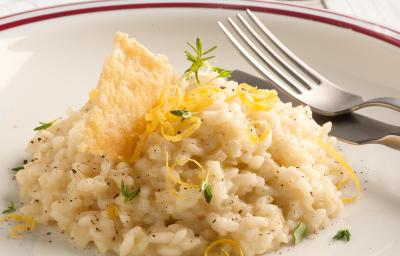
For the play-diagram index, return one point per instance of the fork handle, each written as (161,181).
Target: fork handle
(386,102)
(391,141)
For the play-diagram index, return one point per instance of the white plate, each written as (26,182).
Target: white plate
(50,65)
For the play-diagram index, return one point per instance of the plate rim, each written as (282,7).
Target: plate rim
(366,27)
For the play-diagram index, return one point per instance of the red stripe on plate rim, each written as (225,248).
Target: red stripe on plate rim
(53,13)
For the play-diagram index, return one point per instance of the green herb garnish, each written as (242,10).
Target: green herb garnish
(299,233)
(16,169)
(44,126)
(198,58)
(343,234)
(222,72)
(182,113)
(11,208)
(127,193)
(206,188)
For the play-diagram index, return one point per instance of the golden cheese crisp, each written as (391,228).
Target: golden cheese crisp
(129,86)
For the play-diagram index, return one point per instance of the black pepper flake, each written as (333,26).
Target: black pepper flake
(113,238)
(73,171)
(116,196)
(50,241)
(240,211)
(214,221)
(39,139)
(153,235)
(48,233)
(25,161)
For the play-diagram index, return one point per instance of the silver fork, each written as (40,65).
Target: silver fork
(291,75)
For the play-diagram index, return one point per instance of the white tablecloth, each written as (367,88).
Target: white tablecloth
(386,12)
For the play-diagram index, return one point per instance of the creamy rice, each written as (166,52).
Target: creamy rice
(260,190)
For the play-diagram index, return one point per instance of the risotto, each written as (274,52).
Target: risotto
(190,165)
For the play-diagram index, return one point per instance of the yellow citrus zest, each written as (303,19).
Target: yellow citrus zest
(172,179)
(16,231)
(224,252)
(93,94)
(172,127)
(231,242)
(198,99)
(330,151)
(112,211)
(252,131)
(257,99)
(180,130)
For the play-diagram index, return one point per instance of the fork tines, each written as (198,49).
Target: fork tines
(269,55)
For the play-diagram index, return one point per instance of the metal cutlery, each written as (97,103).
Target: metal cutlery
(351,127)
(291,75)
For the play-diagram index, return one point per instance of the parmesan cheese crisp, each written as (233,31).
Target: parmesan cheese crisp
(130,84)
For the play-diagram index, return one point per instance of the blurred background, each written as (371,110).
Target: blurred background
(386,12)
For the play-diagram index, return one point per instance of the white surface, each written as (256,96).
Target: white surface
(50,65)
